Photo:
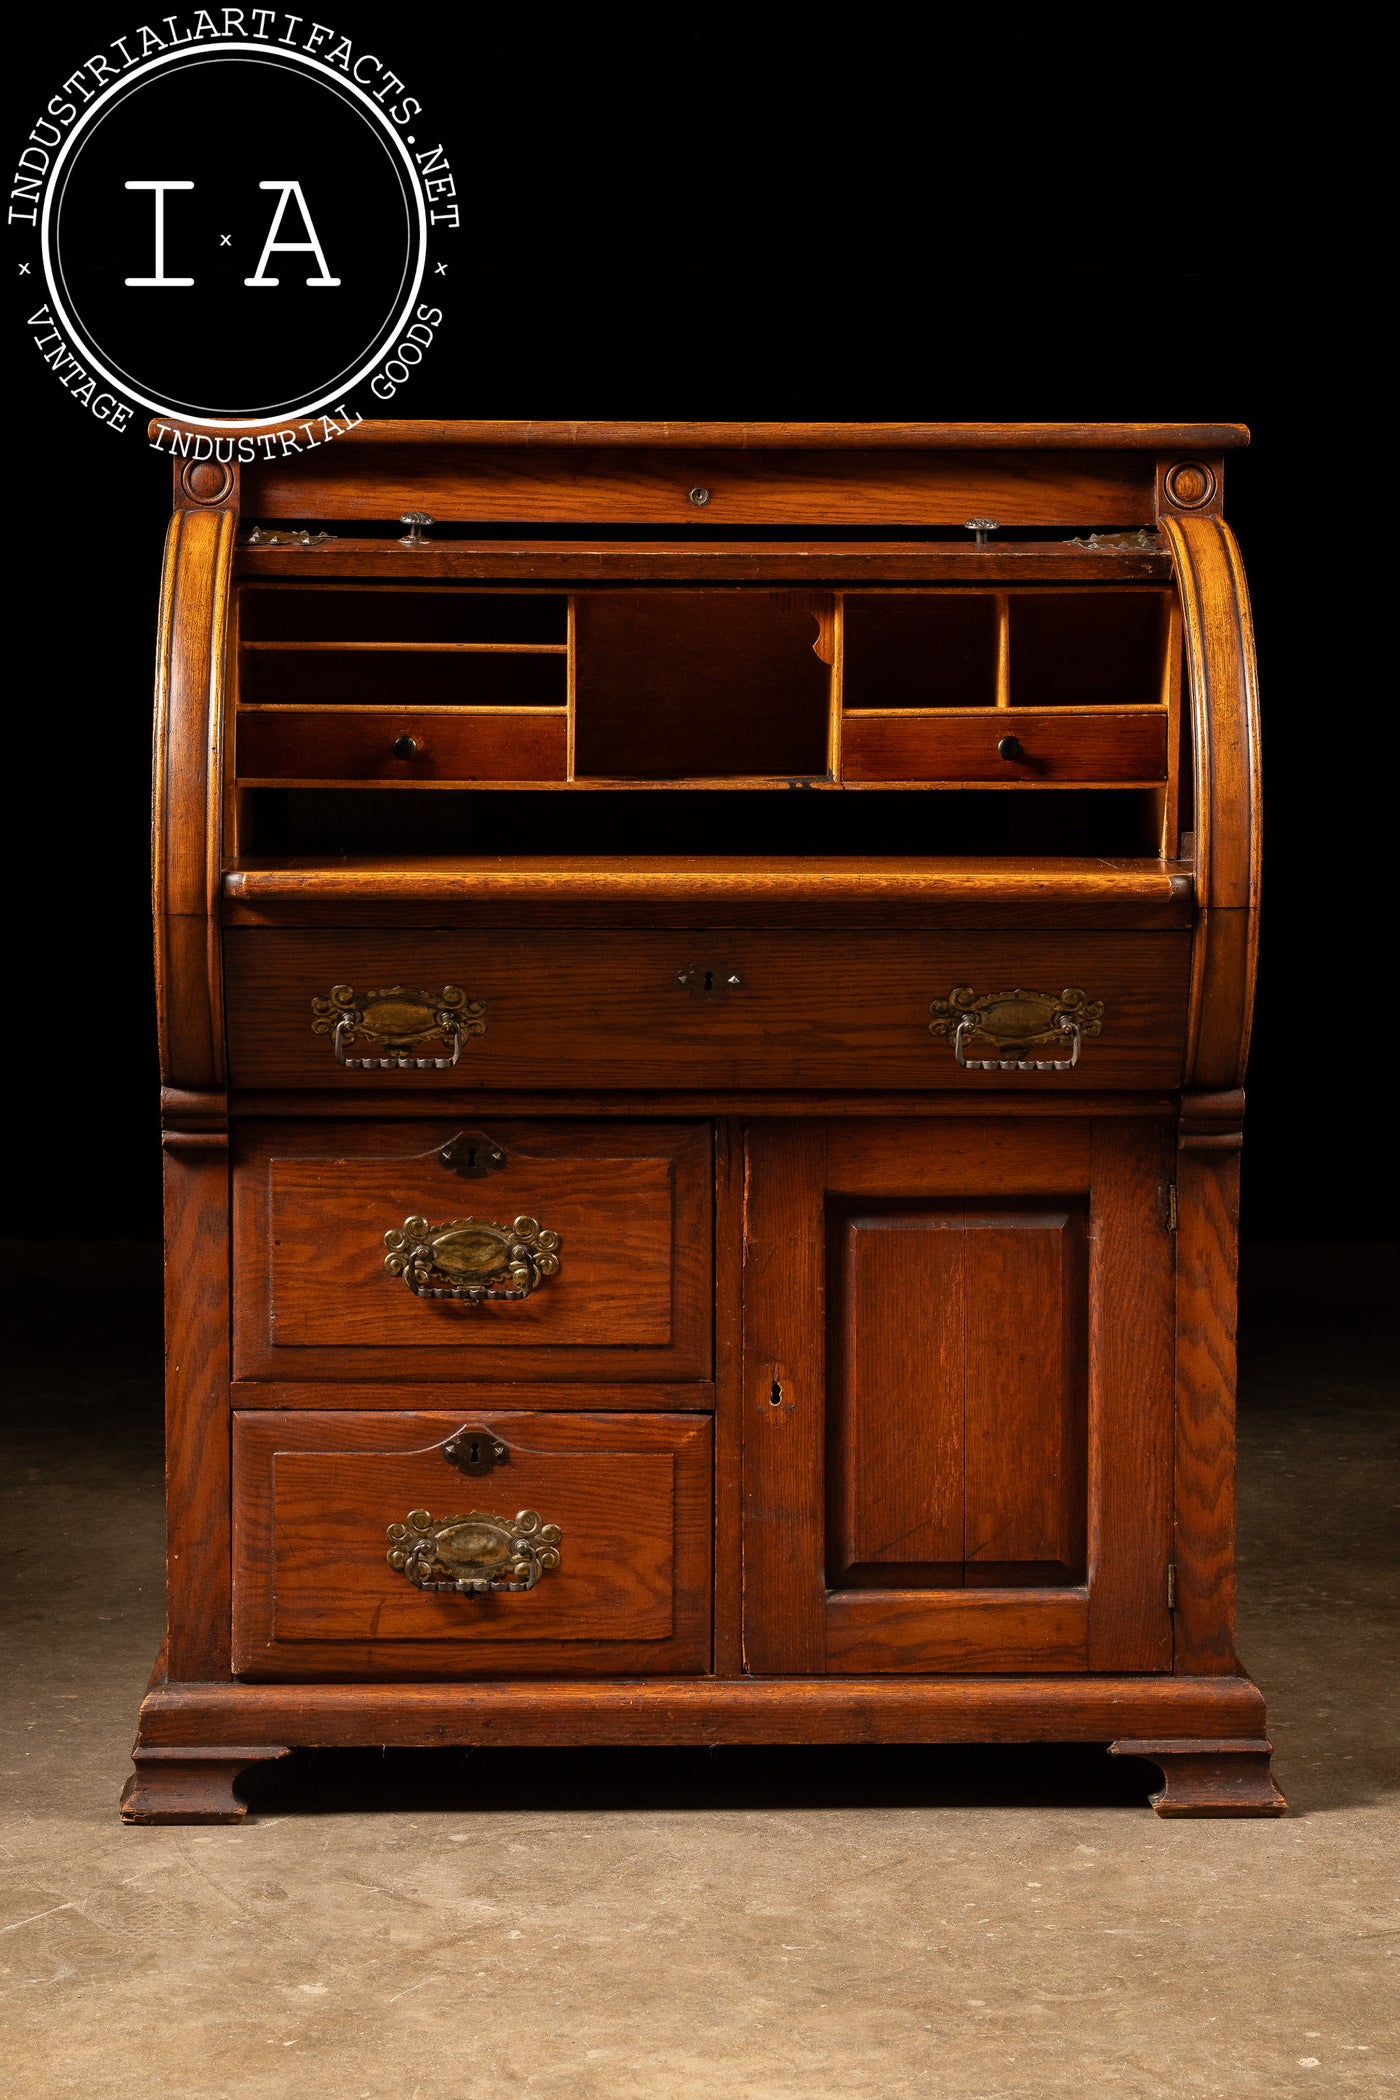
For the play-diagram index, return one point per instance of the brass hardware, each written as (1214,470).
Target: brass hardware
(1016,1022)
(1171,1207)
(464,1258)
(709,980)
(473,1554)
(398,1018)
(700,497)
(415,520)
(474,1450)
(981,526)
(473,1155)
(261,537)
(1171,1585)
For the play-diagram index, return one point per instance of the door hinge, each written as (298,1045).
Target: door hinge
(1171,1585)
(1171,1206)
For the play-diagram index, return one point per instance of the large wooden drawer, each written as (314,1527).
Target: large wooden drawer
(322,1502)
(600,1009)
(616,1278)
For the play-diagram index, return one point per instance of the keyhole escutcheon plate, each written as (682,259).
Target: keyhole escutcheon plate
(475,1450)
(473,1155)
(709,980)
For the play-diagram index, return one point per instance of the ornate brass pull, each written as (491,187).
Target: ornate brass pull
(399,1019)
(471,1259)
(474,1554)
(1016,1022)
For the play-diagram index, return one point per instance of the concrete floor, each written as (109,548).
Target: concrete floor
(1008,1925)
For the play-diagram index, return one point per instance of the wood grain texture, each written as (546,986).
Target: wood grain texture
(197,1409)
(590,1009)
(1057,747)
(1207,1182)
(318,744)
(815,437)
(330,1288)
(314,1595)
(191,1784)
(1218,642)
(187,795)
(1001,894)
(1025,1709)
(855,563)
(727,1396)
(692,1397)
(632,1299)
(1203,1778)
(895,1396)
(1025,1386)
(648,485)
(784,1430)
(1130,1398)
(979,1631)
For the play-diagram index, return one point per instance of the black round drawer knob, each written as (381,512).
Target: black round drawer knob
(407,747)
(1008,747)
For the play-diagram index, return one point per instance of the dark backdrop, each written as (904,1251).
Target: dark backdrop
(705,226)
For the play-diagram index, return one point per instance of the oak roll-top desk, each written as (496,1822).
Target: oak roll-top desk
(704,979)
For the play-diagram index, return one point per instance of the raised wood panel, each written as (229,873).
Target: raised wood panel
(1035,1363)
(1056,747)
(957,1400)
(593,1009)
(314,1594)
(357,744)
(651,486)
(631,1203)
(1025,1387)
(896,1394)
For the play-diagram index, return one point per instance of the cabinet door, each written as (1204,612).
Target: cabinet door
(958,1396)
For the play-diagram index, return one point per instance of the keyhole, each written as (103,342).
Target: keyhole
(709,980)
(474,1452)
(775,1397)
(471,1163)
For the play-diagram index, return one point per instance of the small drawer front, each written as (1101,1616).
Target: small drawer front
(725,1009)
(570,1546)
(1120,749)
(348,744)
(563,1251)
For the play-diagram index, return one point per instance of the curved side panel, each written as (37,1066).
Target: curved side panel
(1218,636)
(187,795)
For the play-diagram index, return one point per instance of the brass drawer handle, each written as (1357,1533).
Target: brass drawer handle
(472,1260)
(399,1019)
(1016,1022)
(474,1554)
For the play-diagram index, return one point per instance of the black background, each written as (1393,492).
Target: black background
(721,222)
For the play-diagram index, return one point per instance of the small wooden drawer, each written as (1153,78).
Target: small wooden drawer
(286,744)
(1108,747)
(609,1278)
(346,1560)
(632,1009)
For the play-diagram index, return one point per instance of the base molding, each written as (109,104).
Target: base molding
(191,1783)
(1205,1778)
